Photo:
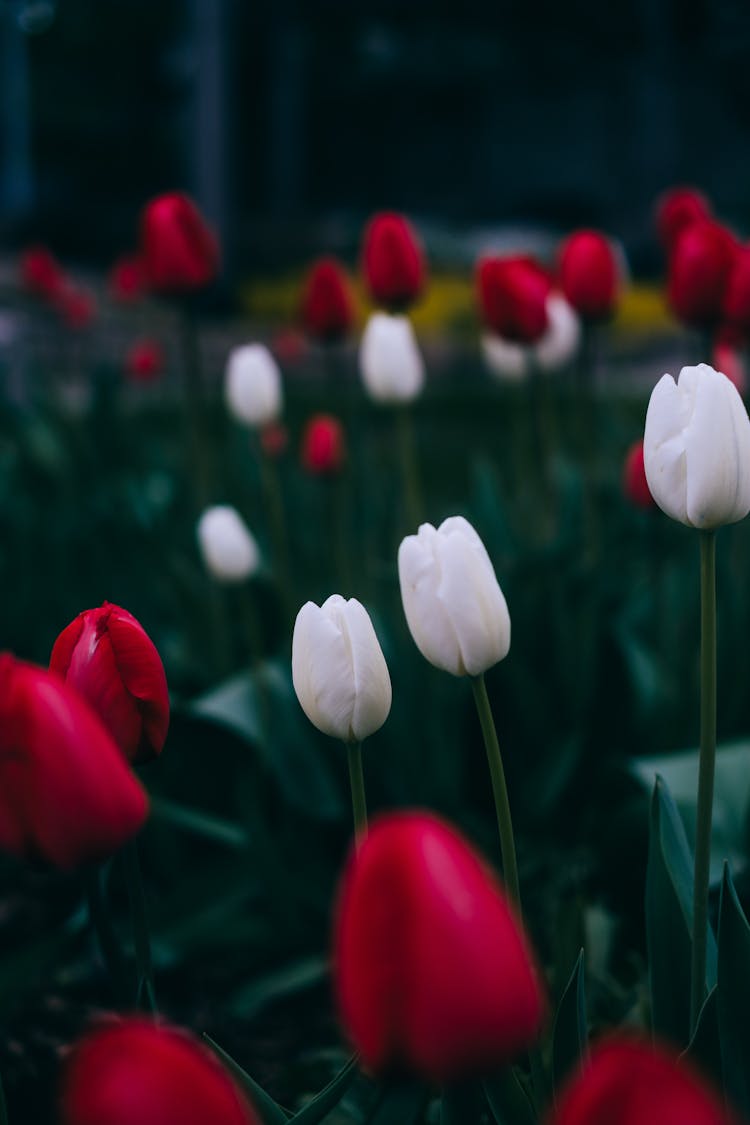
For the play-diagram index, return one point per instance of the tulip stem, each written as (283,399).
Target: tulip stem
(198,445)
(706,773)
(145,995)
(274,499)
(101,922)
(499,788)
(409,468)
(357,781)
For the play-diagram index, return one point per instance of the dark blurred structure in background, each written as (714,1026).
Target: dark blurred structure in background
(290,121)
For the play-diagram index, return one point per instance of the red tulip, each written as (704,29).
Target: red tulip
(634,483)
(323,448)
(66,794)
(76,306)
(393,262)
(628,1082)
(274,438)
(136,1072)
(41,273)
(513,296)
(144,361)
(589,274)
(676,210)
(432,968)
(327,301)
(728,356)
(127,279)
(699,269)
(111,661)
(179,250)
(736,305)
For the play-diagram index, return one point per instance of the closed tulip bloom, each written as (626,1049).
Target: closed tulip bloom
(634,483)
(554,350)
(127,279)
(699,267)
(252,386)
(327,302)
(631,1082)
(433,971)
(389,359)
(41,273)
(67,795)
(134,1070)
(590,274)
(453,603)
(696,448)
(229,550)
(338,669)
(179,250)
(274,439)
(107,656)
(393,262)
(513,296)
(323,447)
(507,361)
(677,209)
(145,361)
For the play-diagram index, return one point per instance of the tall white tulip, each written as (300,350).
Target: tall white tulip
(229,550)
(389,358)
(252,386)
(338,669)
(696,448)
(453,603)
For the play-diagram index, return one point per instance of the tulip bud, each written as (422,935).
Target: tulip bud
(339,671)
(590,274)
(505,360)
(676,210)
(453,603)
(389,359)
(67,795)
(699,268)
(416,903)
(274,438)
(513,296)
(553,351)
(252,385)
(634,483)
(144,361)
(323,449)
(229,550)
(41,273)
(179,250)
(696,448)
(133,1069)
(127,279)
(327,302)
(110,660)
(629,1082)
(393,262)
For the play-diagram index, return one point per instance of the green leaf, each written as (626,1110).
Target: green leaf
(270,1111)
(570,1033)
(462,1103)
(199,823)
(734,995)
(704,1049)
(272,986)
(329,1096)
(398,1102)
(508,1100)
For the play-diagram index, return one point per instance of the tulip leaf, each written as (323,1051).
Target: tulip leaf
(270,1111)
(329,1096)
(401,1101)
(734,995)
(507,1099)
(462,1103)
(299,976)
(704,1049)
(199,823)
(570,1032)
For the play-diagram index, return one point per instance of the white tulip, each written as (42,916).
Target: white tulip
(696,448)
(453,603)
(389,359)
(338,669)
(503,358)
(512,362)
(229,550)
(252,385)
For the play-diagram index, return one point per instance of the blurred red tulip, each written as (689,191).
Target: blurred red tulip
(699,269)
(327,301)
(728,356)
(676,209)
(127,279)
(634,484)
(323,447)
(76,306)
(433,971)
(736,305)
(144,361)
(179,250)
(109,659)
(66,793)
(590,274)
(41,273)
(629,1082)
(137,1072)
(274,439)
(393,262)
(513,298)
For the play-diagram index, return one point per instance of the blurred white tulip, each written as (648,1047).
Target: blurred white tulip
(508,360)
(252,386)
(389,358)
(229,550)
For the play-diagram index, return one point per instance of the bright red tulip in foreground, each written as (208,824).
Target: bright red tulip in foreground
(323,447)
(513,296)
(433,971)
(630,1082)
(677,209)
(136,1072)
(66,793)
(634,483)
(179,249)
(699,267)
(393,262)
(590,274)
(109,659)
(327,302)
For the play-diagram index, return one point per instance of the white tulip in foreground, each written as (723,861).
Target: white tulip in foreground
(512,362)
(339,671)
(252,385)
(453,603)
(229,550)
(389,359)
(696,448)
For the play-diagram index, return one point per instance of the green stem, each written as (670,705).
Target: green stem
(200,468)
(499,788)
(409,469)
(274,499)
(145,996)
(101,922)
(357,781)
(706,772)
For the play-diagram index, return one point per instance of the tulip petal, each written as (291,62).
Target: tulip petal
(429,622)
(664,457)
(372,683)
(322,669)
(718,453)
